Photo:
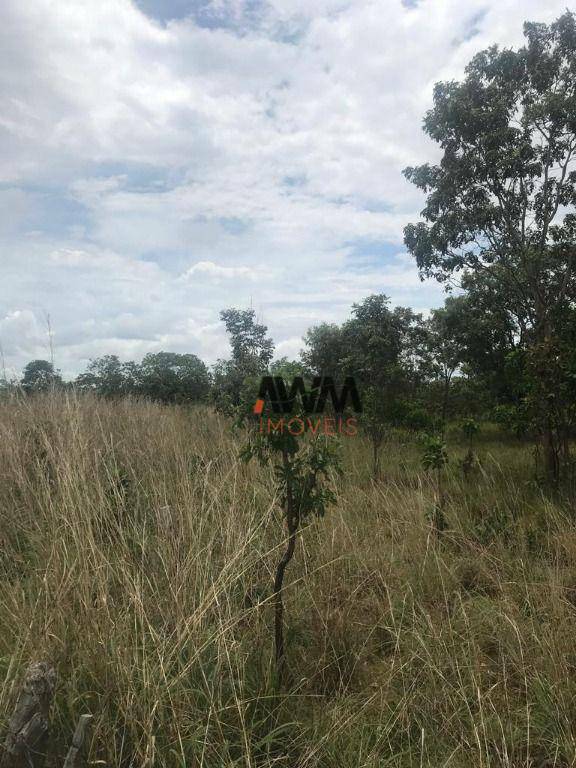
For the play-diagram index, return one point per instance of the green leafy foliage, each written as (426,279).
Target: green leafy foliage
(165,377)
(499,205)
(435,455)
(470,428)
(40,376)
(235,379)
(107,376)
(310,461)
(382,348)
(173,378)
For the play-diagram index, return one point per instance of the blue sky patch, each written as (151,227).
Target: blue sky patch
(205,13)
(367,253)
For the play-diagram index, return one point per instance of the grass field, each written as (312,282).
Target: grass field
(137,553)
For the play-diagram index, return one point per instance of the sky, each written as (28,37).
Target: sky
(161,160)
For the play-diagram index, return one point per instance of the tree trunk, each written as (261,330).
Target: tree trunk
(468,462)
(376,458)
(564,440)
(550,447)
(445,398)
(551,457)
(292,523)
(27,739)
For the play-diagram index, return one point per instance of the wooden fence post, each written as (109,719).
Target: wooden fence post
(27,739)
(74,757)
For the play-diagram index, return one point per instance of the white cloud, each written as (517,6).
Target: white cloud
(72,258)
(154,174)
(217,272)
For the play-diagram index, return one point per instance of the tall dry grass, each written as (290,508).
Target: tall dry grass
(137,555)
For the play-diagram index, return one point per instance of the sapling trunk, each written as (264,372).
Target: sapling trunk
(468,462)
(435,458)
(298,473)
(292,524)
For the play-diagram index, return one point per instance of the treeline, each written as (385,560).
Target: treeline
(412,372)
(167,377)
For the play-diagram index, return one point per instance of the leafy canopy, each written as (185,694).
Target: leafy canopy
(40,376)
(500,200)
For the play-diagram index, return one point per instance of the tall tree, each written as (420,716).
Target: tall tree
(384,352)
(107,376)
(252,352)
(288,369)
(493,330)
(325,349)
(40,376)
(500,202)
(381,348)
(170,377)
(373,346)
(446,338)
